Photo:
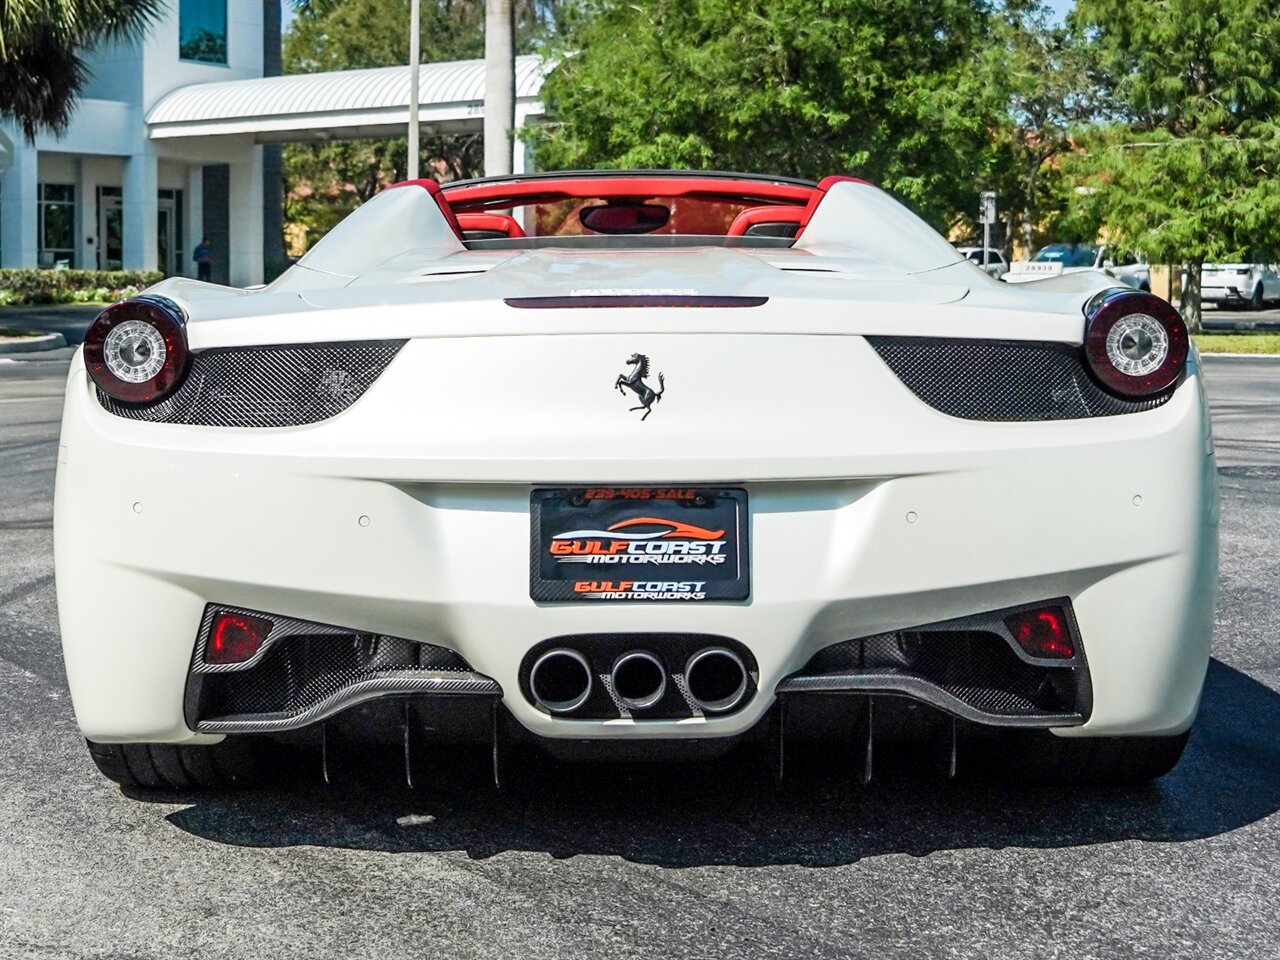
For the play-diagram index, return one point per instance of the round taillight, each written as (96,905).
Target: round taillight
(136,350)
(1136,343)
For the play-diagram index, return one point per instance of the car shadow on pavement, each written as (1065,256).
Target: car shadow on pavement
(728,812)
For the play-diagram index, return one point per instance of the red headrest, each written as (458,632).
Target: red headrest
(491,221)
(772,214)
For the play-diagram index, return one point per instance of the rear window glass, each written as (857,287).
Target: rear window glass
(710,216)
(673,215)
(665,241)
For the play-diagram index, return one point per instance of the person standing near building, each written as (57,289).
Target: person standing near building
(203,256)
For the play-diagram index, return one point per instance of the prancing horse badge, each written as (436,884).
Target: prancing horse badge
(634,381)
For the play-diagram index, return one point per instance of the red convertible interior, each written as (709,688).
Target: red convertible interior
(613,203)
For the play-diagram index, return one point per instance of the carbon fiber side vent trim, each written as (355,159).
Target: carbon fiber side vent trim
(1002,380)
(278,386)
(306,672)
(971,667)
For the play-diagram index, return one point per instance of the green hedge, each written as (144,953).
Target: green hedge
(24,287)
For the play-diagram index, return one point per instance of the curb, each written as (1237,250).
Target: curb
(49,341)
(1249,356)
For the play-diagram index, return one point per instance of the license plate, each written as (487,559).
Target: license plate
(605,544)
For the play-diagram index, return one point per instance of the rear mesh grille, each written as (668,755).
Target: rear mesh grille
(268,386)
(1000,380)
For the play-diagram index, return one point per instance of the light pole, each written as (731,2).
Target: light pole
(415,54)
(988,218)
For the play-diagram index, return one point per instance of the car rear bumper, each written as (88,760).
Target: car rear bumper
(913,518)
(1225,292)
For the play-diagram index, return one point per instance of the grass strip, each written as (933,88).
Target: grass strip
(1260,343)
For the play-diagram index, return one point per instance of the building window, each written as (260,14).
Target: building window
(202,30)
(57,225)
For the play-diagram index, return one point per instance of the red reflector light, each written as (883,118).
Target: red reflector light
(235,638)
(1043,633)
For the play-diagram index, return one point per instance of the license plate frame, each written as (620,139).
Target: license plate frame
(614,555)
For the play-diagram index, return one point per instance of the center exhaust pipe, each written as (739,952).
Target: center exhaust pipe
(639,679)
(560,680)
(716,678)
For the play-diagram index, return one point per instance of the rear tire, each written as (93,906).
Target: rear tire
(166,766)
(1041,757)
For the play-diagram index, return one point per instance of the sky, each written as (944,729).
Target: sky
(1060,8)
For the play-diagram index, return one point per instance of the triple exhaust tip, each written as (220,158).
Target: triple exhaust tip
(560,680)
(715,678)
(639,679)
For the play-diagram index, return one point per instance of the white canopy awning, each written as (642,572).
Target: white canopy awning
(342,104)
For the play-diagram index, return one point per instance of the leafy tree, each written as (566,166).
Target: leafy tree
(325,181)
(1190,175)
(1040,70)
(885,89)
(41,45)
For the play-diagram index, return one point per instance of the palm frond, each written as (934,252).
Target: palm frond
(42,72)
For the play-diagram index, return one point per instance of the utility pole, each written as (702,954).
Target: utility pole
(499,86)
(415,54)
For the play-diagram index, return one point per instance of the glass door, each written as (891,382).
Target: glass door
(110,229)
(164,240)
(169,232)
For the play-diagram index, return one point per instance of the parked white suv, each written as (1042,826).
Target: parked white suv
(1055,259)
(1240,283)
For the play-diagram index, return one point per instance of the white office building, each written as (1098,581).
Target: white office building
(177,139)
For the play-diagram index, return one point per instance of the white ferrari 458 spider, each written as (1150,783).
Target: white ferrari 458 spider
(636,458)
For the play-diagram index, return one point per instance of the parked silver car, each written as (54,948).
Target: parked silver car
(1055,259)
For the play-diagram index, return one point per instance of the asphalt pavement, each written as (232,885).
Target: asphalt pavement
(71,320)
(597,861)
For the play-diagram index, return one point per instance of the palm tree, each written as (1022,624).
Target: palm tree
(499,85)
(41,42)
